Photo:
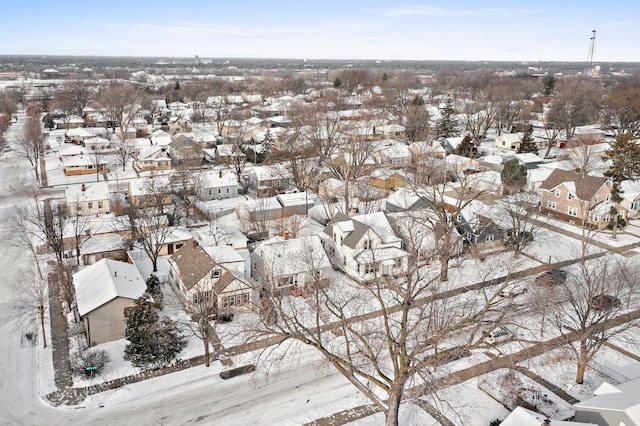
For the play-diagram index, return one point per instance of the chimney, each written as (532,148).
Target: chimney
(84,188)
(194,243)
(220,174)
(546,422)
(115,274)
(285,235)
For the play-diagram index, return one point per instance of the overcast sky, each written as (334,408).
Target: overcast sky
(557,30)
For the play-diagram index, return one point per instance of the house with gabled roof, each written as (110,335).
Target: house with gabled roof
(153,158)
(87,199)
(103,292)
(582,200)
(267,181)
(365,246)
(392,153)
(218,184)
(183,148)
(198,278)
(281,263)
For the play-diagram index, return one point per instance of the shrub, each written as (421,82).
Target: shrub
(90,362)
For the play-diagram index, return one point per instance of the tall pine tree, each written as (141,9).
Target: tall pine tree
(153,342)
(527,144)
(447,125)
(624,156)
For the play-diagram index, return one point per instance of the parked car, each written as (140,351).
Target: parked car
(551,278)
(497,334)
(605,302)
(513,290)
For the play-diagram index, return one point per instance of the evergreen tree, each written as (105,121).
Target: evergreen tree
(467,148)
(417,101)
(153,288)
(337,82)
(549,82)
(624,156)
(447,124)
(527,144)
(514,174)
(153,342)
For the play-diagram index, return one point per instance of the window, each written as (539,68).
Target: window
(99,204)
(201,297)
(90,205)
(366,244)
(608,196)
(570,196)
(551,205)
(79,207)
(573,211)
(489,237)
(227,190)
(398,263)
(367,268)
(634,205)
(557,192)
(215,273)
(286,281)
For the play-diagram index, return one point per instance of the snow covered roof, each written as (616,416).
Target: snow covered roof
(223,254)
(86,192)
(293,256)
(621,398)
(379,224)
(71,150)
(218,178)
(524,417)
(143,185)
(296,199)
(79,132)
(80,160)
(105,280)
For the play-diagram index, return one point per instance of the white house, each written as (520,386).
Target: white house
(218,184)
(365,246)
(87,199)
(612,405)
(104,291)
(282,263)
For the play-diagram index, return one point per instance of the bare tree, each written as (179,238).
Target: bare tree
(203,310)
(150,230)
(516,217)
(78,224)
(123,102)
(597,293)
(386,338)
(446,201)
(73,96)
(31,142)
(33,304)
(622,107)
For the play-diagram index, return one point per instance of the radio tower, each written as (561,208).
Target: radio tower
(592,70)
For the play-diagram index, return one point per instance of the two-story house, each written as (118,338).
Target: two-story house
(365,246)
(87,199)
(582,200)
(267,181)
(199,278)
(281,264)
(218,184)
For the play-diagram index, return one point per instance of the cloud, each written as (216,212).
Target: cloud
(441,11)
